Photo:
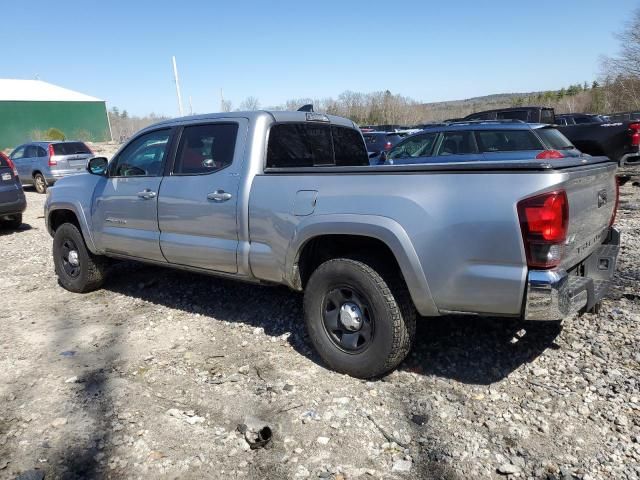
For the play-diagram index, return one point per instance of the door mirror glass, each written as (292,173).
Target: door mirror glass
(98,165)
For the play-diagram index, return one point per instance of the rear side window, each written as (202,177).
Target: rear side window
(554,139)
(31,151)
(348,147)
(311,144)
(507,140)
(205,148)
(514,115)
(456,143)
(70,148)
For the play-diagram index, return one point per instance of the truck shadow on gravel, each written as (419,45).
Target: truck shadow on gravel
(468,349)
(478,350)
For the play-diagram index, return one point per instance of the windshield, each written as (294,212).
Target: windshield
(554,139)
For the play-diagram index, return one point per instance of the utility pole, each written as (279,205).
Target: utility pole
(175,76)
(190,106)
(221,101)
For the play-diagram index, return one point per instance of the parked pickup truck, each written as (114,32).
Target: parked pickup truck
(289,198)
(619,140)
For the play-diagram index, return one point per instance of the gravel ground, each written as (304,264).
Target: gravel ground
(151,376)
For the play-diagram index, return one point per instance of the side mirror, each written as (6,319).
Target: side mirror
(383,158)
(98,165)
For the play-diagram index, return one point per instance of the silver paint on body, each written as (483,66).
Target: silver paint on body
(453,229)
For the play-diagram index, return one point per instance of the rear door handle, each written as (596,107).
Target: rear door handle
(219,196)
(147,194)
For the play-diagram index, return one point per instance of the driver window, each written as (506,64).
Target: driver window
(18,154)
(143,157)
(417,146)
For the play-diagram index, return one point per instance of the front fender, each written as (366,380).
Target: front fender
(381,228)
(77,209)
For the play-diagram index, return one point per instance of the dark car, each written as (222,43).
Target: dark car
(476,141)
(378,142)
(12,199)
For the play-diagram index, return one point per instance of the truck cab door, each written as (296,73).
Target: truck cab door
(198,201)
(125,213)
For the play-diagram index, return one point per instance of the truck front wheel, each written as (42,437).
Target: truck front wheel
(360,322)
(77,268)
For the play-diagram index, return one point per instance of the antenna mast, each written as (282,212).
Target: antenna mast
(175,76)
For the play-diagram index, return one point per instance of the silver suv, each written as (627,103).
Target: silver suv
(42,163)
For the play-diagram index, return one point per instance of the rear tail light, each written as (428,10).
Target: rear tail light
(12,165)
(388,146)
(52,162)
(634,128)
(615,206)
(549,154)
(543,221)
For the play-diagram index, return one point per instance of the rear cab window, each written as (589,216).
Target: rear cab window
(70,148)
(507,140)
(514,115)
(546,115)
(312,144)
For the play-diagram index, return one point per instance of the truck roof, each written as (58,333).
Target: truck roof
(273,115)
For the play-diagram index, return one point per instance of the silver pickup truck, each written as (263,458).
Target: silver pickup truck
(289,198)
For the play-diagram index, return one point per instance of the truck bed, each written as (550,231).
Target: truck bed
(461,218)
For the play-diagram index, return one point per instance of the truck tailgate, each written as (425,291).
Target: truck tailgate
(591,192)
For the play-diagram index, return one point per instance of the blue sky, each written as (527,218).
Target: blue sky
(277,50)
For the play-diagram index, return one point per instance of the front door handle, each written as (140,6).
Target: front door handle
(219,196)
(146,194)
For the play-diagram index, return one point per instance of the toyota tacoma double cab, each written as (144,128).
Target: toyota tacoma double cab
(289,198)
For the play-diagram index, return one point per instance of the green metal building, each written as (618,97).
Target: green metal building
(30,108)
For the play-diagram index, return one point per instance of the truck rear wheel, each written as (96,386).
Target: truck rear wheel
(77,268)
(359,322)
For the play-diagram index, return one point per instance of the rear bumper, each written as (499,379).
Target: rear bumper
(15,207)
(555,294)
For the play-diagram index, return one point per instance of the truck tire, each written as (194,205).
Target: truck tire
(77,268)
(40,183)
(360,322)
